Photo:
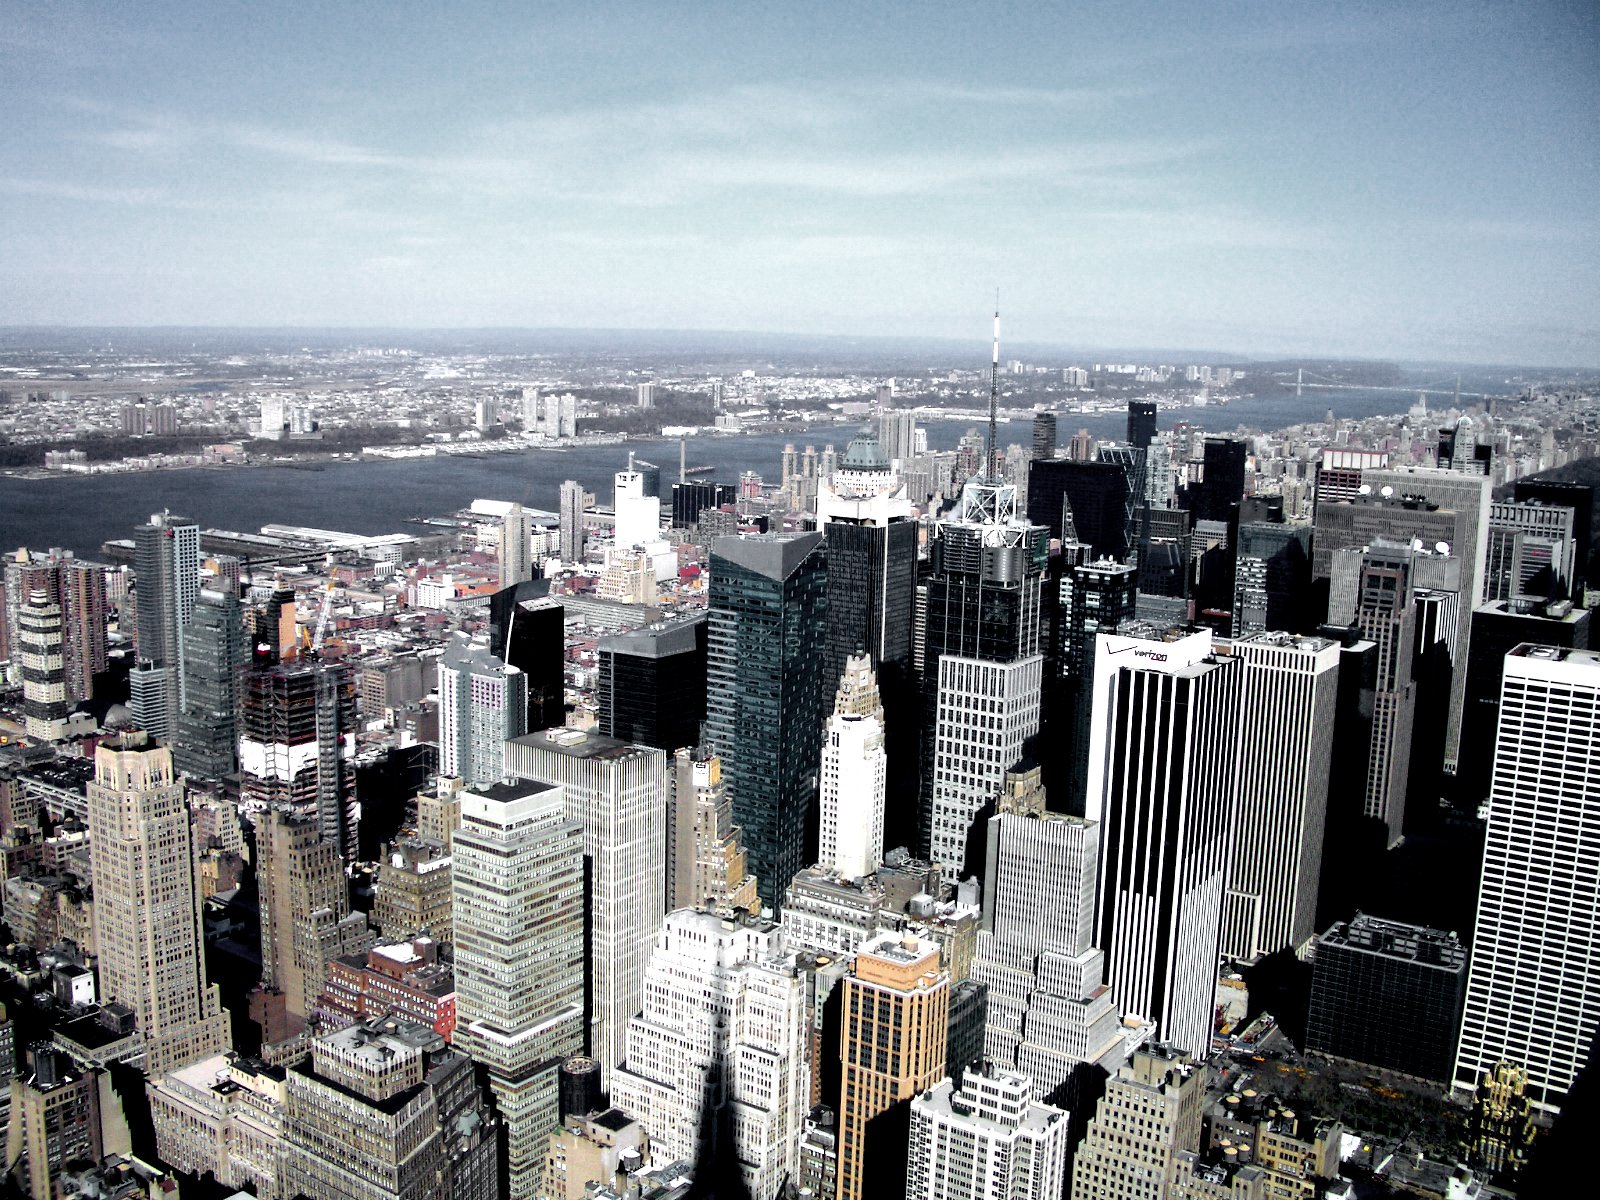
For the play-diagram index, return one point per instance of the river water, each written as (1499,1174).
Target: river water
(78,513)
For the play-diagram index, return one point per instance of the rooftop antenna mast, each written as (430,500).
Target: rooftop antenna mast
(994,394)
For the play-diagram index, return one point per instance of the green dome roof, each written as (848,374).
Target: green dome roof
(864,453)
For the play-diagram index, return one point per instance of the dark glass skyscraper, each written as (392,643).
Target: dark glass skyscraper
(651,686)
(982,663)
(215,655)
(765,693)
(1098,493)
(1223,485)
(690,497)
(527,630)
(1141,424)
(872,581)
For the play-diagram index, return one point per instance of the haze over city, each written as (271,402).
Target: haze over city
(1409,182)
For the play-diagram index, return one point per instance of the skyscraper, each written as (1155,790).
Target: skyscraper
(1387,616)
(386,1110)
(483,703)
(572,537)
(1388,994)
(706,862)
(638,515)
(527,630)
(516,545)
(1044,435)
(854,775)
(1536,949)
(617,793)
(988,1138)
(650,686)
(896,1009)
(872,558)
(1096,493)
(297,746)
(1049,1010)
(1142,425)
(1094,598)
(83,610)
(1469,496)
(147,916)
(982,660)
(1222,486)
(214,659)
(306,920)
(44,673)
(765,692)
(1161,778)
(517,879)
(166,563)
(728,1094)
(1288,693)
(1271,578)
(1152,1109)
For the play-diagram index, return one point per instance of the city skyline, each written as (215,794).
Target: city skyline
(1377,182)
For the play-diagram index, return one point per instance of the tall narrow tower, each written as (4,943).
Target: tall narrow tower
(147,913)
(982,653)
(517,886)
(854,775)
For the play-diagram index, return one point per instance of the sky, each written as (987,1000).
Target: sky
(1389,180)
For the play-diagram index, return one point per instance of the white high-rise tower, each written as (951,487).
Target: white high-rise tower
(1531,996)
(854,774)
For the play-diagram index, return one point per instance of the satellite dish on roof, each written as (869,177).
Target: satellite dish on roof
(1416,543)
(1364,490)
(1442,547)
(1386,491)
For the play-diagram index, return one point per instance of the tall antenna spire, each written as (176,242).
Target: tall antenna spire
(994,394)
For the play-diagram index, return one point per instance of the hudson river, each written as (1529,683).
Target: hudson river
(79,512)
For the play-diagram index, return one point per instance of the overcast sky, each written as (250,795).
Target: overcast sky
(1416,180)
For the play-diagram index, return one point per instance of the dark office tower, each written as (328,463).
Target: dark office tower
(1272,579)
(1498,628)
(688,499)
(765,693)
(1098,494)
(1133,463)
(214,661)
(1580,499)
(297,746)
(1044,435)
(1352,844)
(872,578)
(1387,616)
(1164,561)
(166,563)
(1141,424)
(982,663)
(1161,784)
(1094,598)
(651,684)
(527,630)
(1223,483)
(1388,995)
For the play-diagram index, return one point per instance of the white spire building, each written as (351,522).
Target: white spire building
(854,774)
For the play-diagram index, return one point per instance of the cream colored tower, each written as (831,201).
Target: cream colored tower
(147,913)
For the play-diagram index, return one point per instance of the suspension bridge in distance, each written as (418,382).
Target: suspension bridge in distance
(1305,379)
